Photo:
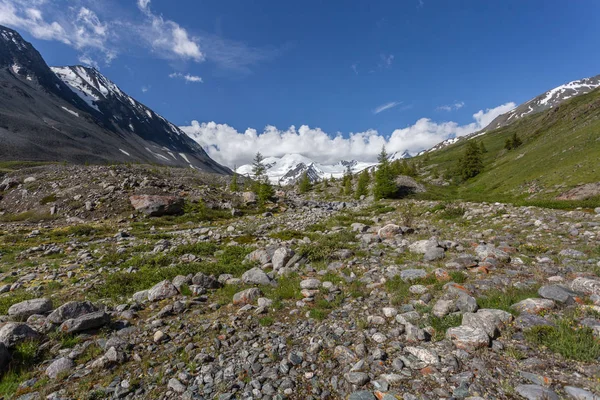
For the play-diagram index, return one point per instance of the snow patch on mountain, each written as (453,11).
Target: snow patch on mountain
(288,169)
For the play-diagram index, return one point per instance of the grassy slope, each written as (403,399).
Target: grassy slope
(561,150)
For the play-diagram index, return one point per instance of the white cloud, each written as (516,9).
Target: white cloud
(230,147)
(87,60)
(386,60)
(354,68)
(386,106)
(186,77)
(145,89)
(450,107)
(95,30)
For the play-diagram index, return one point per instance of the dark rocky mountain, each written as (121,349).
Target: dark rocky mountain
(75,114)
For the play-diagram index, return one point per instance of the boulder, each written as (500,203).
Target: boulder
(585,285)
(558,293)
(247,296)
(468,338)
(536,392)
(261,256)
(162,290)
(13,333)
(389,231)
(406,185)
(281,256)
(409,275)
(71,310)
(206,281)
(533,306)
(255,276)
(249,197)
(21,311)
(59,366)
(157,205)
(85,322)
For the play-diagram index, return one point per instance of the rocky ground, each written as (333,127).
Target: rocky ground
(303,299)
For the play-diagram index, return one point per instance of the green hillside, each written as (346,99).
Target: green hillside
(560,150)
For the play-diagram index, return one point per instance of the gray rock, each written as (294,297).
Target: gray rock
(434,253)
(176,386)
(162,290)
(443,308)
(576,393)
(468,338)
(527,321)
(140,296)
(280,257)
(261,256)
(357,378)
(310,284)
(588,286)
(58,367)
(255,276)
(466,303)
(247,296)
(409,275)
(13,333)
(422,246)
(489,320)
(157,206)
(85,322)
(206,281)
(425,355)
(389,231)
(536,392)
(533,306)
(571,253)
(21,311)
(71,310)
(558,293)
(362,395)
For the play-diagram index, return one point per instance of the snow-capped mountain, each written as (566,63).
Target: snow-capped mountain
(78,115)
(549,99)
(545,101)
(288,169)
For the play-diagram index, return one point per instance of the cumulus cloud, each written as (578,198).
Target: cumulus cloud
(386,106)
(386,60)
(167,36)
(186,77)
(230,147)
(451,107)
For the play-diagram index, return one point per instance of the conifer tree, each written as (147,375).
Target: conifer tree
(482,148)
(233,185)
(304,185)
(471,163)
(384,185)
(261,187)
(362,186)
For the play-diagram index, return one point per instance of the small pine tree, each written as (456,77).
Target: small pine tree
(304,185)
(325,182)
(516,141)
(261,186)
(482,148)
(362,186)
(471,163)
(233,185)
(258,169)
(384,186)
(347,182)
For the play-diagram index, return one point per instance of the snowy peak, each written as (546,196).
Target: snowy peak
(549,99)
(87,83)
(288,169)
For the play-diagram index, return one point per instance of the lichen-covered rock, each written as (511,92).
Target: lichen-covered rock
(162,290)
(59,367)
(13,333)
(247,296)
(71,310)
(156,205)
(468,338)
(85,322)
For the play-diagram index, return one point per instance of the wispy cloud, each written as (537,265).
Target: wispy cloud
(386,60)
(421,4)
(99,35)
(451,107)
(386,106)
(354,68)
(186,77)
(226,145)
(145,89)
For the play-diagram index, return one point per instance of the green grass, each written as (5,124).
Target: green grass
(24,357)
(323,246)
(8,299)
(504,299)
(30,216)
(441,325)
(266,321)
(288,235)
(565,138)
(157,268)
(51,198)
(288,288)
(567,340)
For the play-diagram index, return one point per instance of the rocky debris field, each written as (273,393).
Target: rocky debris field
(173,288)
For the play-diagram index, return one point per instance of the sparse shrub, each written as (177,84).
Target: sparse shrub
(570,341)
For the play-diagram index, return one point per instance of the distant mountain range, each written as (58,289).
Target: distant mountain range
(76,114)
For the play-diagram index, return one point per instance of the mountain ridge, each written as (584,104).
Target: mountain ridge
(78,115)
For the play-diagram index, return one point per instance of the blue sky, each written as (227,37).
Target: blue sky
(365,70)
